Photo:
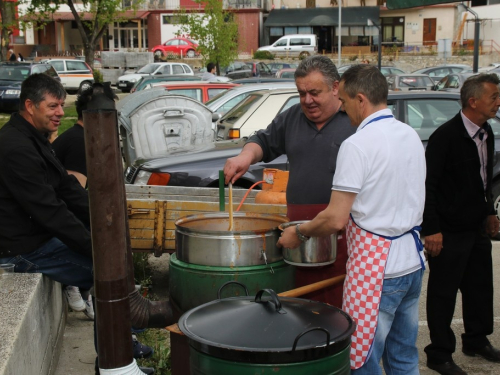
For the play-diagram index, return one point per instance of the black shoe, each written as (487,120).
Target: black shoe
(140,350)
(488,352)
(147,370)
(446,368)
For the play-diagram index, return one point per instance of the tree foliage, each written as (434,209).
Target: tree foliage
(92,18)
(8,14)
(215,31)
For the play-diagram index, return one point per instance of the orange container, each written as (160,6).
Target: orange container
(274,187)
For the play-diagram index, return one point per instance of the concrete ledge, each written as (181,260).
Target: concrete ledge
(32,321)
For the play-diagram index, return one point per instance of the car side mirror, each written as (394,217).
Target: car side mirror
(216,116)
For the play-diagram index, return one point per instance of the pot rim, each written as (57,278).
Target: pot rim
(220,215)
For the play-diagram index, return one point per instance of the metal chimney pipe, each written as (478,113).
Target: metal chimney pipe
(108,228)
(114,283)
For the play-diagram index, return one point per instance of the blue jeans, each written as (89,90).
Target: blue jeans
(396,335)
(58,262)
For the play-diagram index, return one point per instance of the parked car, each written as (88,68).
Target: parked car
(176,46)
(253,69)
(127,81)
(233,67)
(255,112)
(441,71)
(278,66)
(201,90)
(145,81)
(452,82)
(409,82)
(295,45)
(12,75)
(424,111)
(75,74)
(386,70)
(253,80)
(286,73)
(226,100)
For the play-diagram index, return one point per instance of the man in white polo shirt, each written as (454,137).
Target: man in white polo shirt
(378,192)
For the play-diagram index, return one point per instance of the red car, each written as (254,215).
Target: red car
(176,46)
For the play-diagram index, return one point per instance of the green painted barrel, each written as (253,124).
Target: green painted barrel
(336,364)
(192,285)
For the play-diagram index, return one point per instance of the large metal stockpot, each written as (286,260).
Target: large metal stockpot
(205,239)
(265,335)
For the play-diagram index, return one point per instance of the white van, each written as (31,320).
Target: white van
(301,45)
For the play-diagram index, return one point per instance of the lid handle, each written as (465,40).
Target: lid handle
(274,297)
(231,282)
(309,330)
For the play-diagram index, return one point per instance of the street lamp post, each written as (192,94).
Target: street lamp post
(369,22)
(475,61)
(339,36)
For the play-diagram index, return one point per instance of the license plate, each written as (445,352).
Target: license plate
(122,85)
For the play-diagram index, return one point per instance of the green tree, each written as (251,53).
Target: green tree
(215,30)
(102,12)
(8,14)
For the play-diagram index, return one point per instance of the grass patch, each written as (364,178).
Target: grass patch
(156,338)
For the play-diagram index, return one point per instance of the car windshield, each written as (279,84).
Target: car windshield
(148,69)
(14,72)
(239,111)
(414,81)
(138,83)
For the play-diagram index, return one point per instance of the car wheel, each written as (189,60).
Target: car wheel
(158,53)
(303,55)
(85,85)
(496,201)
(190,53)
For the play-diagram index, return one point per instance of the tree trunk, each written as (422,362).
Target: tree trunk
(7,11)
(89,51)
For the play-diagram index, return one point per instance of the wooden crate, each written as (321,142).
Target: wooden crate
(153,210)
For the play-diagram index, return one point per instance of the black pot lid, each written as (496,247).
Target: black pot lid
(267,329)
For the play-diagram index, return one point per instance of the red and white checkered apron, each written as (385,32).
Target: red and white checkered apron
(368,254)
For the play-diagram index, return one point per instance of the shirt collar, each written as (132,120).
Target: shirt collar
(382,112)
(472,129)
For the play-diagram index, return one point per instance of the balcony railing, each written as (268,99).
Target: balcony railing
(175,4)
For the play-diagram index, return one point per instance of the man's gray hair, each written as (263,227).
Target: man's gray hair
(367,80)
(473,86)
(318,63)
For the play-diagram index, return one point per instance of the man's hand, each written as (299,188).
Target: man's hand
(238,166)
(492,225)
(434,244)
(289,238)
(235,168)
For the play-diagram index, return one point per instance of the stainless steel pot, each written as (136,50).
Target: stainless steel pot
(317,251)
(205,239)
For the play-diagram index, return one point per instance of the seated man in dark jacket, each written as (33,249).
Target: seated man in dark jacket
(44,212)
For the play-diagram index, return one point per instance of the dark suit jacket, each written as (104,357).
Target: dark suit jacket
(38,199)
(455,197)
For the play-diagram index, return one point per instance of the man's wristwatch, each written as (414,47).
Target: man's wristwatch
(301,237)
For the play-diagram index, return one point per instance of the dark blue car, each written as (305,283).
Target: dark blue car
(12,75)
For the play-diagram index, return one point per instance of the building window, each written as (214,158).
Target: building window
(393,29)
(170,19)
